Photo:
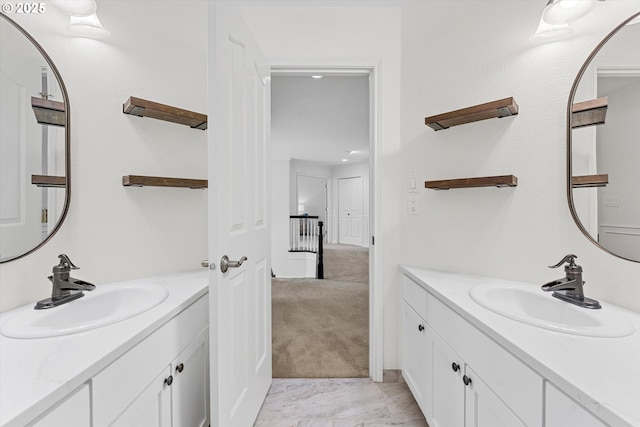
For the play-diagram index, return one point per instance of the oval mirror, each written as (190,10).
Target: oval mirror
(34,144)
(603,143)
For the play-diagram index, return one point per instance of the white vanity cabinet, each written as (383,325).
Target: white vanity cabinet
(562,411)
(162,381)
(73,411)
(460,377)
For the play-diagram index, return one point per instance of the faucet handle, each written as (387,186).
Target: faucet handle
(66,262)
(571,259)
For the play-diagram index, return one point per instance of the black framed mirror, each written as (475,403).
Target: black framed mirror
(34,144)
(603,143)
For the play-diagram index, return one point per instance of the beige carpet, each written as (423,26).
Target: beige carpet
(321,327)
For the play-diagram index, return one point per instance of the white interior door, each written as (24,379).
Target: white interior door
(240,299)
(20,157)
(350,210)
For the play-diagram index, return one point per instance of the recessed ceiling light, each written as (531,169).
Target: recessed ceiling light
(344,160)
(317,76)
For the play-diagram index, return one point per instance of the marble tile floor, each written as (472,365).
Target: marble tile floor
(339,402)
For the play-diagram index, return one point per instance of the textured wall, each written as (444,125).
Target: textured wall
(114,232)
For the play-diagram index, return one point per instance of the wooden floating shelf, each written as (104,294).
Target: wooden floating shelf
(49,181)
(49,112)
(589,113)
(495,109)
(487,181)
(160,181)
(143,108)
(590,181)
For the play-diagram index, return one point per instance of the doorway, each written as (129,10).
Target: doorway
(371,234)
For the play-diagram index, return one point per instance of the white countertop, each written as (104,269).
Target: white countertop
(36,373)
(602,374)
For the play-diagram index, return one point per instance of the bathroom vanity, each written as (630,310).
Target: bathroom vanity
(467,365)
(150,369)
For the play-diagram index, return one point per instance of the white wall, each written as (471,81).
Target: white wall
(454,55)
(114,232)
(350,33)
(319,119)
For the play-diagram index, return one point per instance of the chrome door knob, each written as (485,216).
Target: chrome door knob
(225,264)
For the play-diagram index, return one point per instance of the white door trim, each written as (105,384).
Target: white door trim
(373,68)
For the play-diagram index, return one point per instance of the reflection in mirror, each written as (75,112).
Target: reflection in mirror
(604,144)
(34,144)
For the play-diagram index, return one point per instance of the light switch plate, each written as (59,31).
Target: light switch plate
(413,183)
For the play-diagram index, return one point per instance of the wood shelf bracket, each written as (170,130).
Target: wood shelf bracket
(49,181)
(495,109)
(487,181)
(585,181)
(589,113)
(144,108)
(160,181)
(49,112)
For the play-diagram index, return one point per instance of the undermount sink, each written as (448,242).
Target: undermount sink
(532,306)
(103,306)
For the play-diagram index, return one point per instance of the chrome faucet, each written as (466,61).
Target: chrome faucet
(570,287)
(65,288)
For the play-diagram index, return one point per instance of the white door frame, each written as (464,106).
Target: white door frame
(373,69)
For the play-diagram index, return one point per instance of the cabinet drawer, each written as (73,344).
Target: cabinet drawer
(115,387)
(515,383)
(415,295)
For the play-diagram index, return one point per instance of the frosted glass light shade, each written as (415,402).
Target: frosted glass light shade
(548,31)
(559,12)
(87,26)
(76,7)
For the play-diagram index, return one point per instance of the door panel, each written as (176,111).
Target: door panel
(483,408)
(239,223)
(447,385)
(350,210)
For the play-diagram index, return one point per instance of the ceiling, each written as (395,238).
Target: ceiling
(320,120)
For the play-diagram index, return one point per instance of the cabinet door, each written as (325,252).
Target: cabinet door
(415,363)
(483,408)
(152,408)
(446,382)
(190,390)
(74,411)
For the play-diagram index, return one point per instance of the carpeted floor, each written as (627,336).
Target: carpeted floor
(321,327)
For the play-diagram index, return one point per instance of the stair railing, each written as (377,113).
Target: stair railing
(306,235)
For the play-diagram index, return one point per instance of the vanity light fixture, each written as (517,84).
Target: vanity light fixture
(548,31)
(87,26)
(344,160)
(83,21)
(558,14)
(316,76)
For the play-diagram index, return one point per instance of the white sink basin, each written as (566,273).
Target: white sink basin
(533,306)
(101,307)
